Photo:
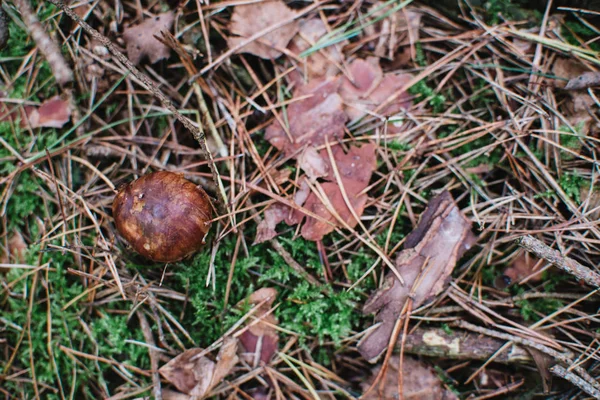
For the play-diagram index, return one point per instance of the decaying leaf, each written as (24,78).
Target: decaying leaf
(355,169)
(368,88)
(314,229)
(313,165)
(523,266)
(196,376)
(52,113)
(323,63)
(248,19)
(141,41)
(260,340)
(419,382)
(429,256)
(15,251)
(272,216)
(318,117)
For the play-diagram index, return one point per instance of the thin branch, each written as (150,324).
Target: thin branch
(554,257)
(575,380)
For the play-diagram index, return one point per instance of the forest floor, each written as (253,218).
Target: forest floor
(331,126)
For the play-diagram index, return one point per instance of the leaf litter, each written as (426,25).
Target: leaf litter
(141,40)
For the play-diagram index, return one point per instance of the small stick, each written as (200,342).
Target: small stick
(575,380)
(48,47)
(143,78)
(554,257)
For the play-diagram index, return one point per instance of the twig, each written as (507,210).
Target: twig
(48,47)
(153,354)
(565,358)
(143,78)
(575,380)
(554,257)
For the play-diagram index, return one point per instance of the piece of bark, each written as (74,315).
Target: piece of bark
(426,263)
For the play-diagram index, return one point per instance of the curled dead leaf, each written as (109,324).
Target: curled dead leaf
(419,382)
(141,41)
(524,266)
(430,253)
(248,19)
(317,117)
(52,113)
(367,88)
(261,340)
(196,376)
(15,250)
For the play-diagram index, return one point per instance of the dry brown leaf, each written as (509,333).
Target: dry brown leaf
(314,229)
(318,117)
(357,165)
(369,88)
(141,41)
(313,164)
(419,382)
(523,266)
(323,63)
(355,169)
(52,113)
(261,340)
(430,253)
(15,252)
(196,376)
(248,19)
(272,216)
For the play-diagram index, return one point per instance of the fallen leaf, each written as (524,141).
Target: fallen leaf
(248,19)
(419,382)
(355,169)
(318,116)
(261,340)
(368,88)
(52,113)
(312,163)
(314,229)
(272,216)
(356,165)
(583,81)
(142,43)
(15,251)
(430,253)
(196,376)
(523,266)
(323,63)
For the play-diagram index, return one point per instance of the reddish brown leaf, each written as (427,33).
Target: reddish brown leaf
(323,63)
(53,113)
(523,266)
(369,88)
(248,19)
(357,165)
(15,252)
(196,376)
(141,41)
(429,256)
(314,229)
(313,164)
(272,216)
(318,117)
(419,382)
(261,340)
